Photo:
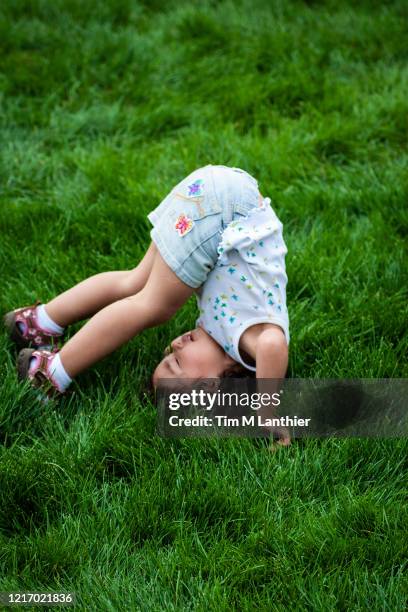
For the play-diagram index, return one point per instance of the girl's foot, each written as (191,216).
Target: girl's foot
(39,368)
(25,330)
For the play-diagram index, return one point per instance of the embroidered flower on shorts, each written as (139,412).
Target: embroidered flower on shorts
(196,188)
(183,225)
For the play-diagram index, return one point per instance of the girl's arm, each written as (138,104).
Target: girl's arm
(271,354)
(272,364)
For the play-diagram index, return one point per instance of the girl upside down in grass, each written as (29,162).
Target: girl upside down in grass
(215,235)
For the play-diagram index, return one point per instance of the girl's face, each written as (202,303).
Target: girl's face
(193,355)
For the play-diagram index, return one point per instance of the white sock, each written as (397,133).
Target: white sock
(59,373)
(46,322)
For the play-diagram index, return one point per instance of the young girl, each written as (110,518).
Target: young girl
(215,235)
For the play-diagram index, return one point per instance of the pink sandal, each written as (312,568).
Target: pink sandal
(39,373)
(31,334)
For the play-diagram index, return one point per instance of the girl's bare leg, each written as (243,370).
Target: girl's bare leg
(87,297)
(163,294)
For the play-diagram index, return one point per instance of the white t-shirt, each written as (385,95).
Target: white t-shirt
(248,283)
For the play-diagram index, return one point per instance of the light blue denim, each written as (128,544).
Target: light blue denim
(222,195)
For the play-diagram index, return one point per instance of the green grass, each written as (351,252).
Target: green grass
(104,106)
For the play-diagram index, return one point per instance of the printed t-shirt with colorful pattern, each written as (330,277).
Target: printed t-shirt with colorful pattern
(248,283)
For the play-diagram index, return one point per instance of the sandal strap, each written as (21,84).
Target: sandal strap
(44,360)
(28,317)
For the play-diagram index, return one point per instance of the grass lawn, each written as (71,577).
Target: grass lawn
(104,106)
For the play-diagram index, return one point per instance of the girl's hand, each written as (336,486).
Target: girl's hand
(283,435)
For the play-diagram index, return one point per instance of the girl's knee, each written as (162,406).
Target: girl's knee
(131,283)
(154,312)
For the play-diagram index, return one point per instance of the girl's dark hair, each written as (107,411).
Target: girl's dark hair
(238,371)
(234,371)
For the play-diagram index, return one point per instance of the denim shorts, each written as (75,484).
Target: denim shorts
(188,223)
